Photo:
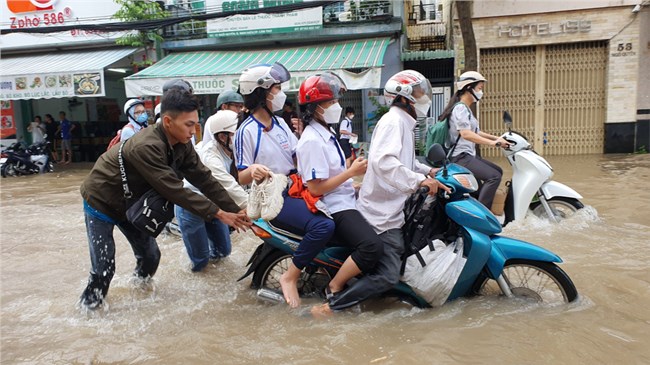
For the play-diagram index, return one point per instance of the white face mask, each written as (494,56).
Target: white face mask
(422,105)
(478,94)
(278,101)
(332,114)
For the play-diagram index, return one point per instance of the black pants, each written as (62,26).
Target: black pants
(383,277)
(355,231)
(345,146)
(485,171)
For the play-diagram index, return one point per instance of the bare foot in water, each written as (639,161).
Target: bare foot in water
(290,289)
(321,311)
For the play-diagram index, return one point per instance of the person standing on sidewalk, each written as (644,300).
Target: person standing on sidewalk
(66,128)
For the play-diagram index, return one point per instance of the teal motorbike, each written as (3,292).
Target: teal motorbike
(495,265)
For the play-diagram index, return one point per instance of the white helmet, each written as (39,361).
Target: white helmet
(413,86)
(129,107)
(222,121)
(467,78)
(263,76)
(409,84)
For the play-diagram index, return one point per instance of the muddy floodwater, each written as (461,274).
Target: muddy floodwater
(211,318)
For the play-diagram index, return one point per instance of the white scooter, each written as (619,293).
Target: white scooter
(531,188)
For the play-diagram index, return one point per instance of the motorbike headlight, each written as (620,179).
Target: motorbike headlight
(468,181)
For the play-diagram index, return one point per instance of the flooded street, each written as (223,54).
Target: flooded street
(210,318)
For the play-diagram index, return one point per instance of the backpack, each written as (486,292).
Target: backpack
(425,221)
(438,132)
(116,139)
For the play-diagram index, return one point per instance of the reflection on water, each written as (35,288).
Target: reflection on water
(211,318)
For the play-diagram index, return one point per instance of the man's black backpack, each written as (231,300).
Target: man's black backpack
(425,221)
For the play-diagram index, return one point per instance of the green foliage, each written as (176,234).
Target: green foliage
(381,108)
(135,10)
(641,150)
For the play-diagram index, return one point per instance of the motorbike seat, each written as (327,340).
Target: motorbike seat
(298,234)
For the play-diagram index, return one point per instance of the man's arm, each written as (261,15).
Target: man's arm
(385,160)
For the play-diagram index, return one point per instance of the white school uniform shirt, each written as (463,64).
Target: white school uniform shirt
(393,172)
(274,148)
(320,157)
(346,125)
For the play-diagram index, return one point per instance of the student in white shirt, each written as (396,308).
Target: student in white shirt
(393,175)
(264,143)
(37,127)
(322,167)
(345,130)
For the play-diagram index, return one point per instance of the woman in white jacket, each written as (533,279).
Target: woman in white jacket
(211,240)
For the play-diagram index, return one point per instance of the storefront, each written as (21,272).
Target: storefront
(76,72)
(571,78)
(363,64)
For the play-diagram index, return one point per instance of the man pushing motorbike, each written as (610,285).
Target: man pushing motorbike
(156,158)
(393,175)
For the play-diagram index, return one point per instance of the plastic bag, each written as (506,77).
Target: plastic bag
(436,279)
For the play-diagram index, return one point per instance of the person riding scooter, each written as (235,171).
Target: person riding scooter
(464,131)
(393,175)
(322,167)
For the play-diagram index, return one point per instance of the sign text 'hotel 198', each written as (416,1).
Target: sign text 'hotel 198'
(544,29)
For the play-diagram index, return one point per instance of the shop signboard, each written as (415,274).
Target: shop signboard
(47,85)
(256,24)
(20,14)
(7,123)
(367,79)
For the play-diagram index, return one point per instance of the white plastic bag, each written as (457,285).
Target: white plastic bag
(435,281)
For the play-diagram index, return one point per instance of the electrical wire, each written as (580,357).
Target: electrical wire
(149,25)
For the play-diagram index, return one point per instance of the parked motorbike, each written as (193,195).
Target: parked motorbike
(495,265)
(531,187)
(34,159)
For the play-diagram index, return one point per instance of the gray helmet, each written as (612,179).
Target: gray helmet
(178,84)
(229,96)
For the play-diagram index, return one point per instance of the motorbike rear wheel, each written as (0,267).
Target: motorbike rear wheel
(8,169)
(267,275)
(562,207)
(539,281)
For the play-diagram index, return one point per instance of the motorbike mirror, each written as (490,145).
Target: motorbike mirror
(436,155)
(507,119)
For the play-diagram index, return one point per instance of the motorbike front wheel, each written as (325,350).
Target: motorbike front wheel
(8,169)
(267,275)
(561,207)
(539,281)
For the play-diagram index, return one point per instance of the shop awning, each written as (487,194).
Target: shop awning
(212,72)
(57,75)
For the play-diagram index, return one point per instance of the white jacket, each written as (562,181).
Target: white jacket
(218,162)
(393,172)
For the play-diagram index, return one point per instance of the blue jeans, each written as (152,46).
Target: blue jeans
(99,228)
(316,227)
(203,240)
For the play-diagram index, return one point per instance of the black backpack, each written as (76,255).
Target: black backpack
(425,221)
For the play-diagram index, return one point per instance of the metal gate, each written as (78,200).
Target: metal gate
(555,94)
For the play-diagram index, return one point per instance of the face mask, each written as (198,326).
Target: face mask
(422,105)
(478,94)
(278,101)
(142,119)
(351,116)
(332,114)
